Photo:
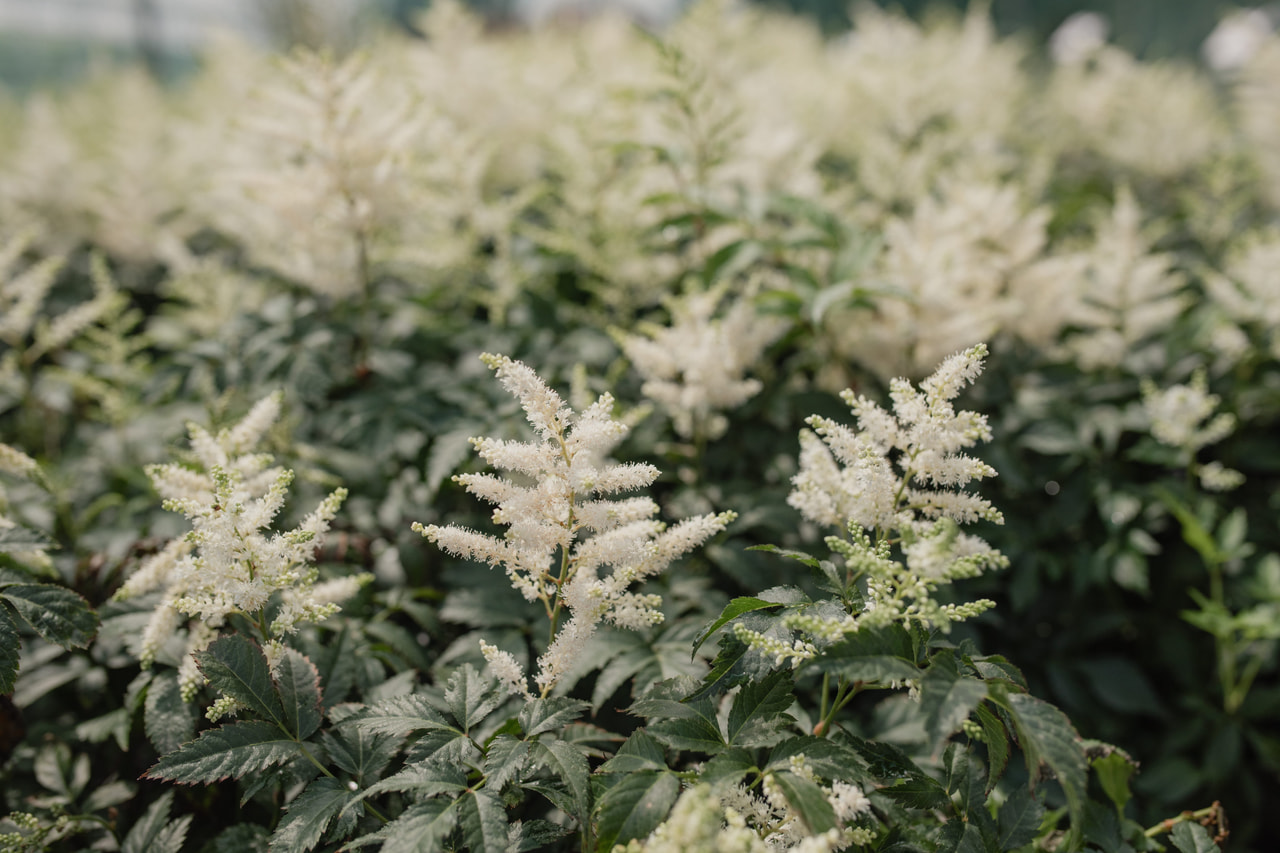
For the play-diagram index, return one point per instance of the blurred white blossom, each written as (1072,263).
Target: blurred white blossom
(696,368)
(1078,37)
(1237,37)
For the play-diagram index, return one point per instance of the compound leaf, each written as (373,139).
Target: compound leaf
(635,806)
(236,667)
(298,682)
(231,751)
(55,613)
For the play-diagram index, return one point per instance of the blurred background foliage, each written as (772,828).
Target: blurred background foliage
(1147,28)
(490,224)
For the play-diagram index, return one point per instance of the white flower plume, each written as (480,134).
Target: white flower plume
(232,562)
(901,475)
(546,551)
(695,368)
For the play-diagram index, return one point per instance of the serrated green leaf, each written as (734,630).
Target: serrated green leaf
(61,772)
(947,698)
(971,840)
(758,705)
(1046,735)
(619,670)
(535,835)
(144,833)
(109,794)
(917,792)
(733,610)
(241,838)
(113,724)
(1113,772)
(545,715)
(448,451)
(426,779)
(171,838)
(399,640)
(638,752)
(997,741)
(884,760)
(998,668)
(400,715)
(145,836)
(231,751)
(808,800)
(966,781)
(730,765)
(15,539)
(422,828)
(471,697)
(310,814)
(55,613)
(808,559)
(361,753)
(827,758)
(736,663)
(1019,819)
(235,666)
(483,822)
(1191,837)
(446,745)
(569,765)
(336,663)
(668,699)
(168,721)
(634,807)
(298,684)
(9,646)
(696,734)
(503,760)
(877,655)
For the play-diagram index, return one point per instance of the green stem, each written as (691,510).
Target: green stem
(1224,647)
(844,694)
(822,709)
(1163,826)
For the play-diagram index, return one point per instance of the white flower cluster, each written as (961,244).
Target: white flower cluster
(734,820)
(544,552)
(29,335)
(1179,416)
(798,650)
(695,368)
(21,466)
(1127,296)
(230,562)
(1248,292)
(903,474)
(849,476)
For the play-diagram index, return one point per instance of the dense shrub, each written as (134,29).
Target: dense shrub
(242,378)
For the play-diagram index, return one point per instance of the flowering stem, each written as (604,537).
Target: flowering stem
(844,694)
(1211,813)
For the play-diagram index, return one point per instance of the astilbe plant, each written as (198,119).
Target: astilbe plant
(563,528)
(896,484)
(899,479)
(231,563)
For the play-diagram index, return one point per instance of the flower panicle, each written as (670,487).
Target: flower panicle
(232,561)
(569,544)
(899,477)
